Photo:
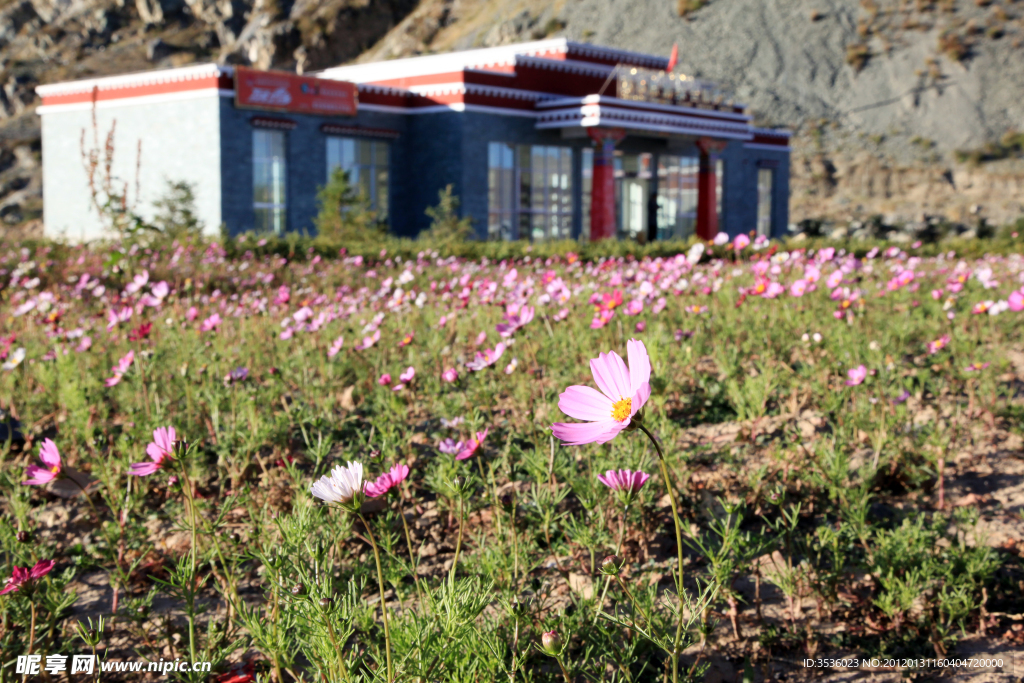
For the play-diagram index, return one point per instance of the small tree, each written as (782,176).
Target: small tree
(345,214)
(446,227)
(176,217)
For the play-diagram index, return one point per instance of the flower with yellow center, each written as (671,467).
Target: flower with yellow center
(622,409)
(615,406)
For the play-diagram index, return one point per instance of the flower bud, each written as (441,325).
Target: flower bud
(298,589)
(551,643)
(325,602)
(23,537)
(507,501)
(518,607)
(611,565)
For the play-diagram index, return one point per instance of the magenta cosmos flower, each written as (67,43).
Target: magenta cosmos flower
(856,375)
(387,481)
(50,457)
(473,446)
(625,483)
(939,344)
(159,451)
(120,369)
(22,575)
(624,391)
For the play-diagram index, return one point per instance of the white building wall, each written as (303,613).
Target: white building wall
(180,136)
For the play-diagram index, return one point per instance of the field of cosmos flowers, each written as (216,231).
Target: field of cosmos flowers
(744,462)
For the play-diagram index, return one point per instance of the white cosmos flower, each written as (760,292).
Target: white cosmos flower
(344,484)
(15,359)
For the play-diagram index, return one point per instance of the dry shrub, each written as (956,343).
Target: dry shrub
(857,56)
(684,7)
(954,46)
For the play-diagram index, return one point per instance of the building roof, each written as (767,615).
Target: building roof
(559,82)
(502,58)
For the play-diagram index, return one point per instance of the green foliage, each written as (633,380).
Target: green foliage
(345,216)
(176,217)
(446,228)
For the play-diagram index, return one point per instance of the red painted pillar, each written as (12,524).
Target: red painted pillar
(707,182)
(602,192)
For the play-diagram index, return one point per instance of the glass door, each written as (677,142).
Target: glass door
(632,192)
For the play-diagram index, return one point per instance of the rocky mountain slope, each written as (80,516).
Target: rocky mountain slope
(901,107)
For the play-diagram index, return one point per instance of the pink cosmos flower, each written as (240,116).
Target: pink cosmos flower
(625,482)
(50,457)
(981,307)
(114,317)
(623,393)
(84,345)
(773,290)
(211,323)
(798,288)
(22,575)
(480,339)
(1016,301)
(387,481)
(192,314)
(562,314)
(721,239)
(834,279)
(121,368)
(641,326)
(857,376)
(159,451)
(473,446)
(939,344)
(635,307)
(384,380)
(368,341)
(486,359)
(513,321)
(335,347)
(450,375)
(406,340)
(976,367)
(408,375)
(450,446)
(511,367)
(601,318)
(936,294)
(741,242)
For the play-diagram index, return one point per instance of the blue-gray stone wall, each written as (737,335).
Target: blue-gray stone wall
(306,160)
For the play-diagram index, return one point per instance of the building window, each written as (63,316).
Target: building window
(529,192)
(677,196)
(764,201)
(501,198)
(366,162)
(269,172)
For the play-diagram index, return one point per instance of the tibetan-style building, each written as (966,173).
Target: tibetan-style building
(545,140)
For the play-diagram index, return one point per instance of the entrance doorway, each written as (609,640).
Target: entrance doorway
(633,173)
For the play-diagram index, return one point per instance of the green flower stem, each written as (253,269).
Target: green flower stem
(383,605)
(408,542)
(679,547)
(462,526)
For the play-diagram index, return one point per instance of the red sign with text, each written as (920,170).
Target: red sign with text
(282,91)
